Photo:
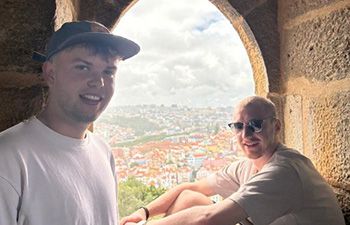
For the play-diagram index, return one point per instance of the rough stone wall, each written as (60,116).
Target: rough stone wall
(315,69)
(25,26)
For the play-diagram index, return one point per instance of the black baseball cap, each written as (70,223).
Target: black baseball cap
(73,33)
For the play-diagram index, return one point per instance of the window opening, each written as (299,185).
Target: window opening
(167,121)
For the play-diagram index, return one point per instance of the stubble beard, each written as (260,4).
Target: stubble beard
(79,116)
(83,118)
(76,113)
(253,153)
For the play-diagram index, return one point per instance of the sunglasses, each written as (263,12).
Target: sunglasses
(254,125)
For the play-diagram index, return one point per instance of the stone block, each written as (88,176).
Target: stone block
(291,9)
(26,26)
(278,100)
(330,137)
(327,133)
(18,104)
(293,122)
(344,200)
(318,49)
(9,79)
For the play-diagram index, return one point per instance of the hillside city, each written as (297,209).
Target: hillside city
(167,145)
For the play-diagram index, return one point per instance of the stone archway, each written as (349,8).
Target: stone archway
(260,75)
(250,43)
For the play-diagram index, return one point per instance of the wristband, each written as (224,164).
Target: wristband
(146,211)
(142,222)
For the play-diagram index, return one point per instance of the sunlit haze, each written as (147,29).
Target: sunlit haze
(190,55)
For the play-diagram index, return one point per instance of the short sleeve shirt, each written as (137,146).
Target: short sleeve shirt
(47,178)
(287,190)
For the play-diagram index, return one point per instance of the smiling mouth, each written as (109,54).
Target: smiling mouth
(251,144)
(91,99)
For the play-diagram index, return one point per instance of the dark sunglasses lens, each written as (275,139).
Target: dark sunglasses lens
(256,124)
(238,125)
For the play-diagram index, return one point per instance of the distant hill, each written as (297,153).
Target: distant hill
(138,124)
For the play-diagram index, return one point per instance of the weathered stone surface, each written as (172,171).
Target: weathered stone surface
(291,9)
(263,23)
(327,133)
(244,7)
(318,49)
(278,100)
(105,12)
(20,104)
(25,27)
(331,137)
(293,122)
(344,200)
(9,79)
(22,96)
(66,11)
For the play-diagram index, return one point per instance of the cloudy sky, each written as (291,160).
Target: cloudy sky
(190,55)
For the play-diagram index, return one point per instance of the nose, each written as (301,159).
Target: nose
(247,131)
(96,81)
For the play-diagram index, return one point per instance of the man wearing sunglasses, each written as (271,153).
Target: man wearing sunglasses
(273,185)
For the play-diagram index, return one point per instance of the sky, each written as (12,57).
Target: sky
(190,55)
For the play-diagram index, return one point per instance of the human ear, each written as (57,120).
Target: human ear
(277,125)
(48,73)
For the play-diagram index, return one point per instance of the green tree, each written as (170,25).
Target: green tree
(133,194)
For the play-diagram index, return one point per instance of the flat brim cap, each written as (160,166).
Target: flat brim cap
(74,33)
(124,47)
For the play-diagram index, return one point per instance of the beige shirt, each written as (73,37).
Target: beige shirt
(287,191)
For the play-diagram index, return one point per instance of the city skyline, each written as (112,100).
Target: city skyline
(167,145)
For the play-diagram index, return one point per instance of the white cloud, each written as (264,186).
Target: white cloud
(190,54)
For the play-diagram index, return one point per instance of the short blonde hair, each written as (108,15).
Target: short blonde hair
(264,103)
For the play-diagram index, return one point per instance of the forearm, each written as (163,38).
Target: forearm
(191,216)
(226,212)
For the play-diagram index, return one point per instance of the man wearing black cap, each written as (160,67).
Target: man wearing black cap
(52,169)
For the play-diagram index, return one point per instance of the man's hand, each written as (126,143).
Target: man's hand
(134,218)
(131,223)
